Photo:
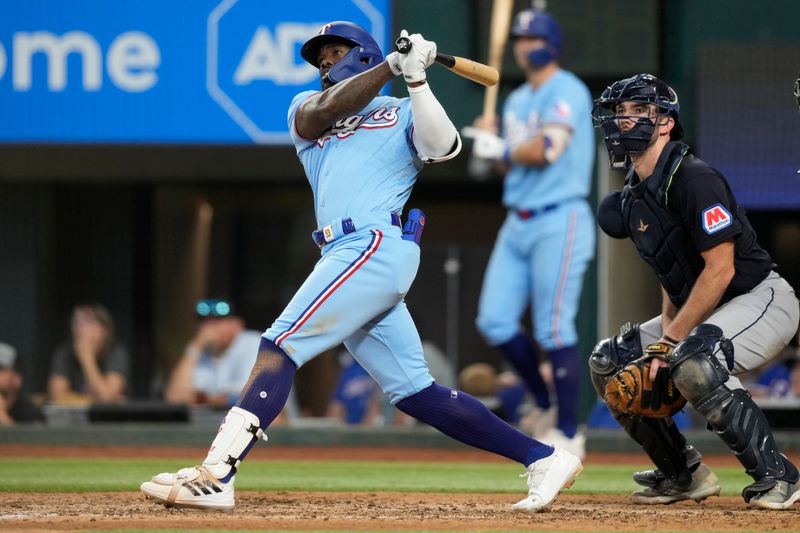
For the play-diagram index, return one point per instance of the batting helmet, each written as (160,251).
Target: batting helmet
(365,53)
(530,23)
(644,88)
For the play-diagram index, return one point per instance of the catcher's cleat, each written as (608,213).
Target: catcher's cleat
(781,496)
(192,488)
(546,478)
(703,485)
(649,478)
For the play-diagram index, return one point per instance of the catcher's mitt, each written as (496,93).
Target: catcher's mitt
(631,391)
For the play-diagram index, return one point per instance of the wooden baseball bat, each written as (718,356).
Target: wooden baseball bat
(498,35)
(467,68)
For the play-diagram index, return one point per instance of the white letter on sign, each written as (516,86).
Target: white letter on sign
(56,49)
(132,60)
(269,58)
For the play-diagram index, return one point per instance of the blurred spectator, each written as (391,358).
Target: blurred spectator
(356,399)
(92,366)
(503,393)
(14,406)
(775,381)
(217,361)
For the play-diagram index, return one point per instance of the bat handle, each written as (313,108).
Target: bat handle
(403,45)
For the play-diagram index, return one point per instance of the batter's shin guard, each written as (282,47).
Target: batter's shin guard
(662,441)
(238,433)
(732,414)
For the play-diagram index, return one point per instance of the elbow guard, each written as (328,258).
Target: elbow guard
(435,137)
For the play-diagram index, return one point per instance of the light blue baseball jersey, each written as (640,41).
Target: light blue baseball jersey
(363,168)
(563,99)
(365,163)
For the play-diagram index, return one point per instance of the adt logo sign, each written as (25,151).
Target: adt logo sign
(254,68)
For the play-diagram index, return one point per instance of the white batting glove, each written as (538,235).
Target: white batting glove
(486,145)
(420,57)
(393,60)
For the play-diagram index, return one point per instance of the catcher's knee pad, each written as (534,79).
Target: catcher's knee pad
(693,366)
(613,353)
(732,414)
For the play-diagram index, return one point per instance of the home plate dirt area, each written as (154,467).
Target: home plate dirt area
(349,511)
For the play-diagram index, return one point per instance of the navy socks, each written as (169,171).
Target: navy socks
(567,377)
(268,388)
(460,416)
(521,353)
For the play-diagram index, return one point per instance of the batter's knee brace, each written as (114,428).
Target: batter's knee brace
(732,414)
(613,353)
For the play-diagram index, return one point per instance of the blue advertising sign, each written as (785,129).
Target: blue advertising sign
(184,71)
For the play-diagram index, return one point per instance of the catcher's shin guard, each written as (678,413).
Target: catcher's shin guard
(662,441)
(732,414)
(238,433)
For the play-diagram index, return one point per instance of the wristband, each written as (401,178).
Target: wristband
(670,339)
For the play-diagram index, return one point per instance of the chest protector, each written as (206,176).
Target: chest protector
(658,234)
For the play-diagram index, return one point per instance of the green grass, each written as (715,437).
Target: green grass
(121,475)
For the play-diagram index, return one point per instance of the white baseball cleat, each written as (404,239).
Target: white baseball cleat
(546,478)
(193,488)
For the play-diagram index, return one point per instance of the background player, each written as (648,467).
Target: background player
(686,224)
(361,153)
(547,239)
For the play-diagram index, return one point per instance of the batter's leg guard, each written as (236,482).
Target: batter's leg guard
(732,414)
(238,433)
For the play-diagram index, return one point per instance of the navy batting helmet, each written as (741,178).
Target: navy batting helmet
(365,53)
(530,23)
(644,88)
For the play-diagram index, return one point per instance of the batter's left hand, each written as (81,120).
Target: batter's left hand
(486,145)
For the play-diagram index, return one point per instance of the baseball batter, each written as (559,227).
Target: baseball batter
(724,305)
(361,153)
(548,237)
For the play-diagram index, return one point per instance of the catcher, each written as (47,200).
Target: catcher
(725,309)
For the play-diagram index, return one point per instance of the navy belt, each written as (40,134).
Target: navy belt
(525,214)
(329,234)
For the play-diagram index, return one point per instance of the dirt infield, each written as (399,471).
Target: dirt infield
(370,511)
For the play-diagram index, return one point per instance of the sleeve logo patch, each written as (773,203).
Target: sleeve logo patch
(716,218)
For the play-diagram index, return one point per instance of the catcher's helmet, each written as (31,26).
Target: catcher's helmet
(530,23)
(644,88)
(365,53)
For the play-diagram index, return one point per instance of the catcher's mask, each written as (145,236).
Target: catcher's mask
(364,55)
(644,88)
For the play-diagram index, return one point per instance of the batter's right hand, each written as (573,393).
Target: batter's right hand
(486,145)
(420,57)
